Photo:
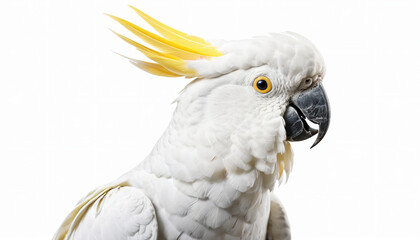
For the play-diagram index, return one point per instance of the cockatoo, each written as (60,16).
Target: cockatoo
(211,174)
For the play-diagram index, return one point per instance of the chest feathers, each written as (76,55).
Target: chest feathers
(213,183)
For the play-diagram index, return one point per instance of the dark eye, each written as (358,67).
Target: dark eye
(262,84)
(308,82)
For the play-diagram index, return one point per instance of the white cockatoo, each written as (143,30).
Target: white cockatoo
(211,174)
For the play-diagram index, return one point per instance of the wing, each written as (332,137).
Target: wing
(118,212)
(278,227)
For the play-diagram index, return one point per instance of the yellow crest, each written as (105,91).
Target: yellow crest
(174,48)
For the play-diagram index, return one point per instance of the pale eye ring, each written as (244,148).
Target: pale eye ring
(307,82)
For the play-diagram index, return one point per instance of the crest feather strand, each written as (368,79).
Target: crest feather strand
(176,48)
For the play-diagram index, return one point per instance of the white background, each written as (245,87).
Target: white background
(74,115)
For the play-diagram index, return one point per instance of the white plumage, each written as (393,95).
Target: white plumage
(211,173)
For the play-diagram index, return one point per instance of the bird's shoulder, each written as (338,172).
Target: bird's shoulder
(114,211)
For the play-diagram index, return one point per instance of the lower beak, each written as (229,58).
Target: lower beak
(313,105)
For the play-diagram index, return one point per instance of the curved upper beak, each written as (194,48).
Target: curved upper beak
(313,105)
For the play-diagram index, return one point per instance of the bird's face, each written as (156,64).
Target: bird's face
(270,86)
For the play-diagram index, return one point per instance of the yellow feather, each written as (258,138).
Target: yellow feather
(170,62)
(285,160)
(169,49)
(154,68)
(177,48)
(164,43)
(171,33)
(75,217)
(281,168)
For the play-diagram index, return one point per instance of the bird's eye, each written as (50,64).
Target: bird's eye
(306,83)
(262,84)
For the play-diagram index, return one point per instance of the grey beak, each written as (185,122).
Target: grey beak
(313,105)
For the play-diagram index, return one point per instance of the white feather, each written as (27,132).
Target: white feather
(210,175)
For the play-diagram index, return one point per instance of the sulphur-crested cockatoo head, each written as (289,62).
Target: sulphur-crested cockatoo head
(252,95)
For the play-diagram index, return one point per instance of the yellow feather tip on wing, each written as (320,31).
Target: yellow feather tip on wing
(176,47)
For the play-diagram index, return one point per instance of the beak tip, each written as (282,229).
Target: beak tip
(321,134)
(318,139)
(314,144)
